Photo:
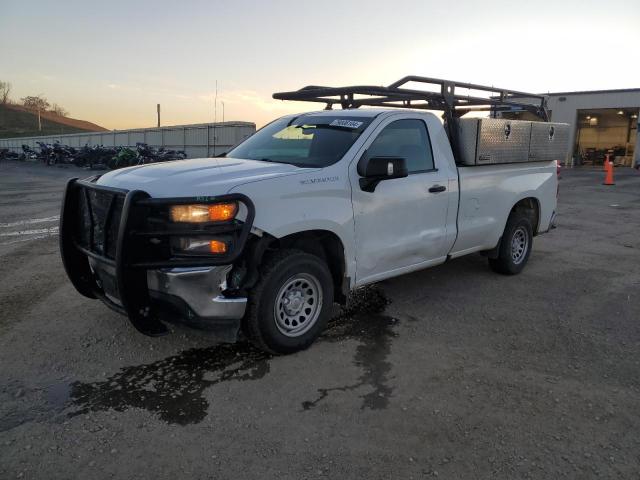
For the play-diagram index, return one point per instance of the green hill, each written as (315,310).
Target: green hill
(18,121)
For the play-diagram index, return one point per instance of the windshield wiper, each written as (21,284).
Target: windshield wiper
(265,159)
(271,160)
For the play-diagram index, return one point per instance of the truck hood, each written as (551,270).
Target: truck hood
(196,177)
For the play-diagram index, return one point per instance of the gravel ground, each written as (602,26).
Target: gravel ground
(453,372)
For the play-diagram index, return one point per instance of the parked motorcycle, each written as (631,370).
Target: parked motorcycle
(147,154)
(46,153)
(28,153)
(125,157)
(6,154)
(63,153)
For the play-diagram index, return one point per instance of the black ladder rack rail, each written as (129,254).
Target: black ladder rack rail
(446,99)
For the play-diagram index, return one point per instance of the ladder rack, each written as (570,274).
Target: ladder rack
(445,96)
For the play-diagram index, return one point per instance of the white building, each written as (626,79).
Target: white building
(602,122)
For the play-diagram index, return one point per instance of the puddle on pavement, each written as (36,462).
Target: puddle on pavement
(174,388)
(362,321)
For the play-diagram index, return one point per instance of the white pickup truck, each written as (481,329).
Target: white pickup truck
(268,237)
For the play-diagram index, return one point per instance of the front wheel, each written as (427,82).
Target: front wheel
(291,303)
(515,245)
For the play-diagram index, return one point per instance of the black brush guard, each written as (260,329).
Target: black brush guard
(126,230)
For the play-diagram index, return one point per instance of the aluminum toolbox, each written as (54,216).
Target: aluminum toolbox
(489,141)
(549,141)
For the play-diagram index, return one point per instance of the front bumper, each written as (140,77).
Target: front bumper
(192,296)
(200,291)
(115,246)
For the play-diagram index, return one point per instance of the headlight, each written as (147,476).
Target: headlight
(216,212)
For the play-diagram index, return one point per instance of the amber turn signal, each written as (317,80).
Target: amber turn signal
(217,212)
(222,212)
(216,246)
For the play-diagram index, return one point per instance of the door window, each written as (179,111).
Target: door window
(407,139)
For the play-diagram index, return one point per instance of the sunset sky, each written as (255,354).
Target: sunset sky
(111,62)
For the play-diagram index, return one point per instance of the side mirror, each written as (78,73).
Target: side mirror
(376,169)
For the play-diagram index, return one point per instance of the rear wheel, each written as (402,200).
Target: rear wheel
(515,245)
(291,303)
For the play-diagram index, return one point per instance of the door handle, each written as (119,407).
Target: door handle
(437,189)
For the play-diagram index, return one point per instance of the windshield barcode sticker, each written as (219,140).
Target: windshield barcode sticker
(346,124)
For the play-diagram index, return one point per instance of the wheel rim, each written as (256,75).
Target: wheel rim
(519,245)
(298,304)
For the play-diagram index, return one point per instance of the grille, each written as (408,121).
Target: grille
(98,223)
(114,224)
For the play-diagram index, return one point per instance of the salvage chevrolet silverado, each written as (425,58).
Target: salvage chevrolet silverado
(267,238)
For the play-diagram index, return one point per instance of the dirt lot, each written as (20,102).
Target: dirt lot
(466,374)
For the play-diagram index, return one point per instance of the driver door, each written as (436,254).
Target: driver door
(401,225)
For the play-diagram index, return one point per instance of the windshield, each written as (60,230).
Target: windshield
(305,141)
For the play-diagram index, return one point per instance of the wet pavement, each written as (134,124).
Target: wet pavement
(172,387)
(453,372)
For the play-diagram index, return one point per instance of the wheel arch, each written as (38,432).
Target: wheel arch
(531,207)
(326,245)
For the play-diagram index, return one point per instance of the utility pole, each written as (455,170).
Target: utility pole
(39,121)
(222,111)
(215,105)
(215,118)
(158,107)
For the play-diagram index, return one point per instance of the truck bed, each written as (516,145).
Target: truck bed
(487,194)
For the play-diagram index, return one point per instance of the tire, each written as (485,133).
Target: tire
(515,245)
(291,303)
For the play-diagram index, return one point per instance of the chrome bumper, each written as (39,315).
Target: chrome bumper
(193,296)
(200,288)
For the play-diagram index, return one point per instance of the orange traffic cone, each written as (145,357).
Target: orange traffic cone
(606,161)
(608,179)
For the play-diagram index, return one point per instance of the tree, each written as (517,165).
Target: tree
(5,90)
(35,102)
(58,110)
